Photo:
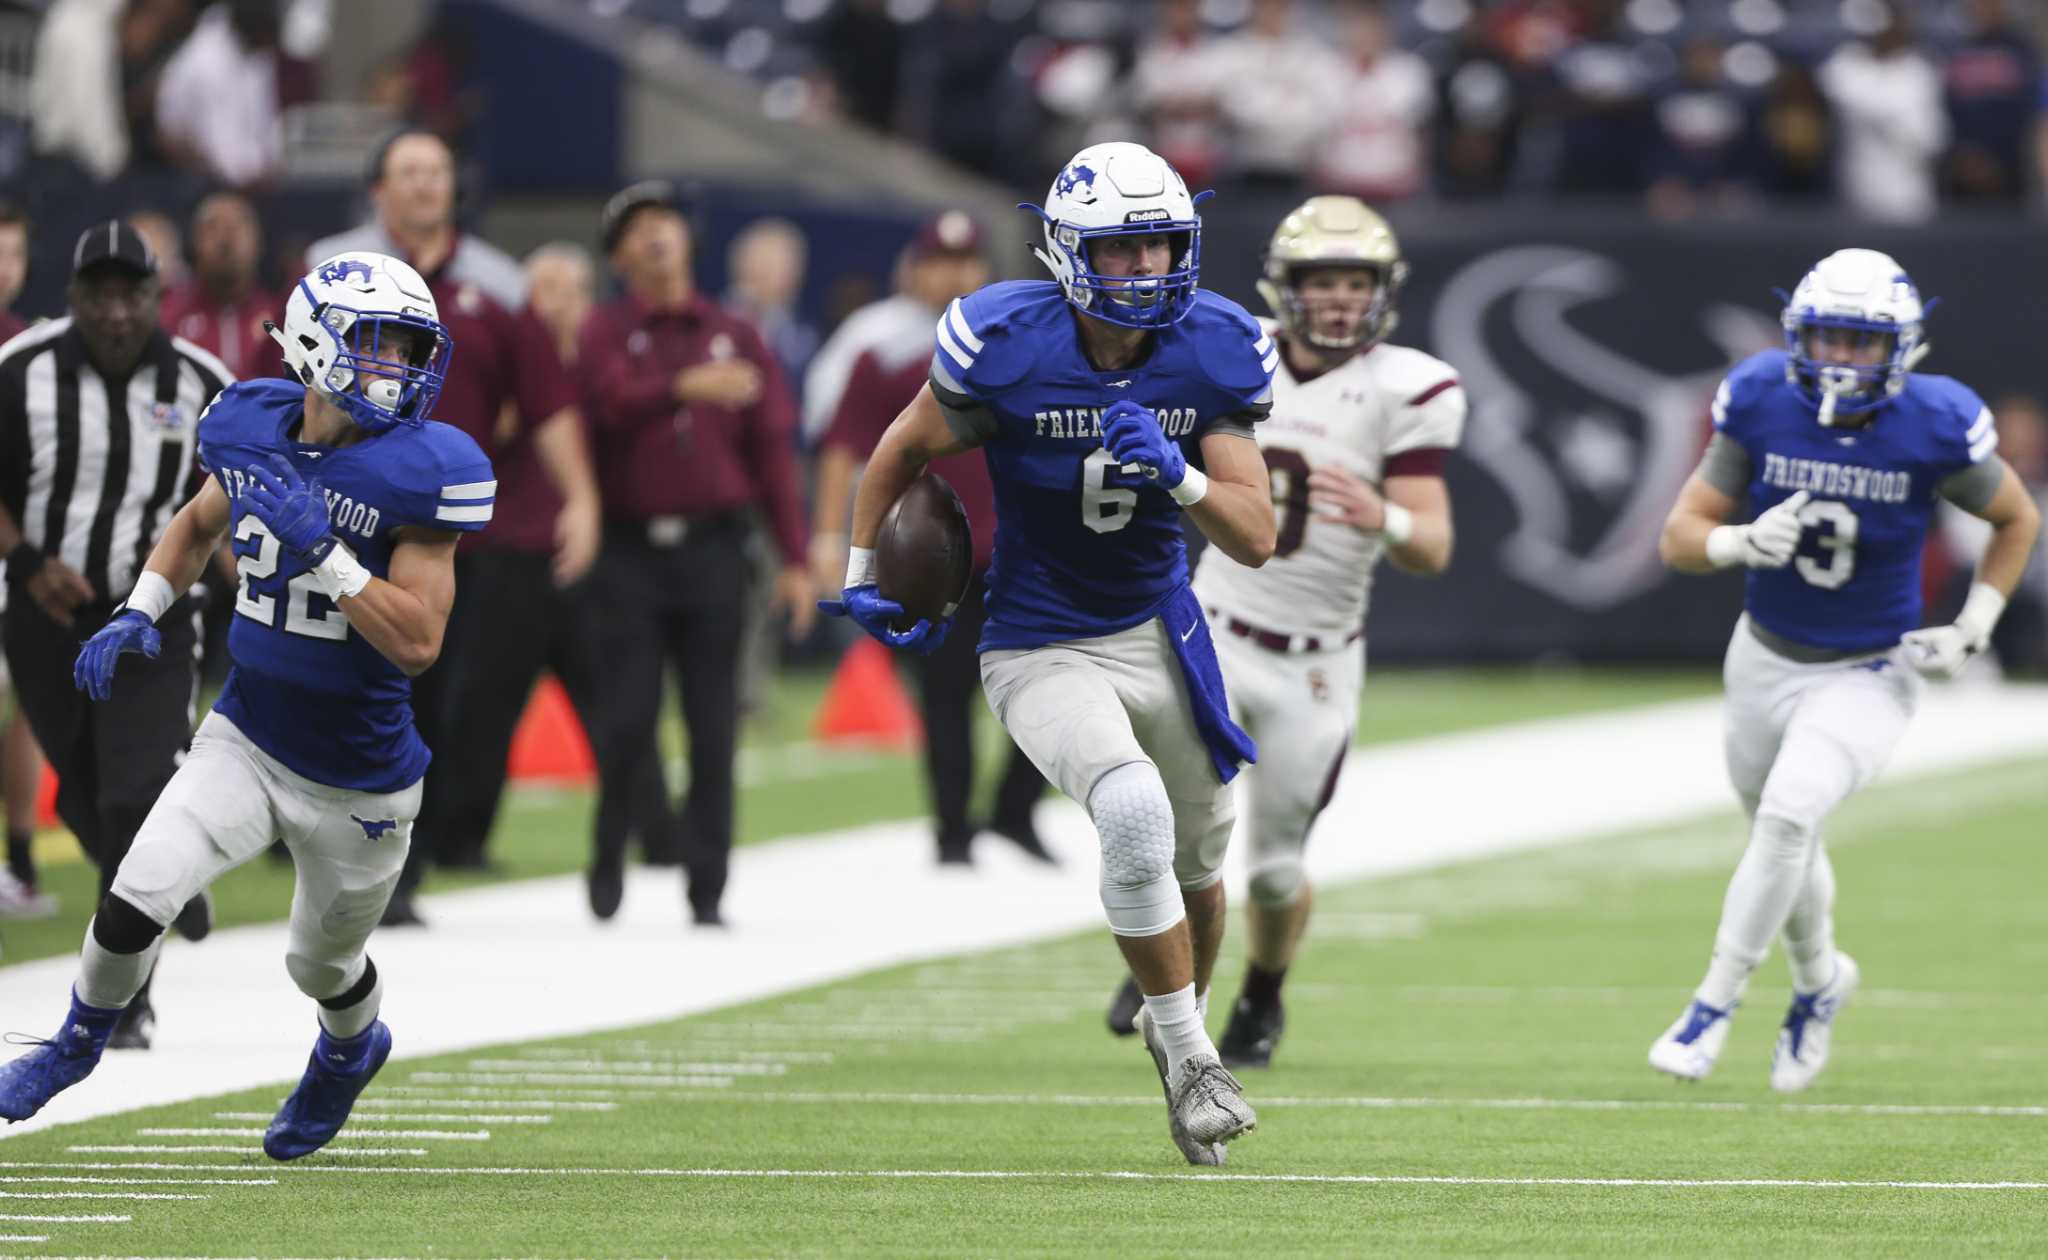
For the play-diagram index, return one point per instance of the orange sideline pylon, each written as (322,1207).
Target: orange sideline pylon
(549,742)
(866,703)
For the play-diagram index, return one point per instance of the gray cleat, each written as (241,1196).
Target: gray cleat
(1200,1081)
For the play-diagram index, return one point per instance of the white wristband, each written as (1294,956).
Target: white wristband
(152,595)
(1981,612)
(1398,525)
(341,574)
(1726,545)
(860,567)
(1194,483)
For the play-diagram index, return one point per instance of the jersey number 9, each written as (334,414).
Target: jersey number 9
(256,559)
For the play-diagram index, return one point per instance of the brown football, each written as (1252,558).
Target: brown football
(924,554)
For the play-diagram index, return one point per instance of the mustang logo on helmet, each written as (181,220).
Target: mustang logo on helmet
(338,271)
(1074,177)
(1119,188)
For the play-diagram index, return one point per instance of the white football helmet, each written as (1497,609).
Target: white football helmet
(334,323)
(1866,292)
(1119,188)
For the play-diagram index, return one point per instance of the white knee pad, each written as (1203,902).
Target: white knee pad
(1277,879)
(319,978)
(1786,843)
(1134,819)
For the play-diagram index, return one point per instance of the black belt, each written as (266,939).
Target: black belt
(673,531)
(1274,641)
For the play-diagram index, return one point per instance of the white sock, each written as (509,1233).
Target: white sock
(1726,979)
(1202,1004)
(1178,1018)
(108,980)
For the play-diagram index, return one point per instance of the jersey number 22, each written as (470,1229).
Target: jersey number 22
(253,565)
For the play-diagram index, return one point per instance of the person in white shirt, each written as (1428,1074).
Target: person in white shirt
(1278,86)
(1378,149)
(1894,124)
(1355,450)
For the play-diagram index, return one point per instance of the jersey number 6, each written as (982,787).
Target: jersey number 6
(254,565)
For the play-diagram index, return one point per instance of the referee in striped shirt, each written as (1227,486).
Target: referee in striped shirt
(99,422)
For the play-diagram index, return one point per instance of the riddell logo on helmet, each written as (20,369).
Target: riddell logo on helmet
(1154,215)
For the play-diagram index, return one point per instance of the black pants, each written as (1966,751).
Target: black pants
(509,622)
(112,758)
(681,606)
(951,686)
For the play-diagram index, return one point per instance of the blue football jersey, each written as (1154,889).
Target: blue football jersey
(306,687)
(1854,584)
(1083,546)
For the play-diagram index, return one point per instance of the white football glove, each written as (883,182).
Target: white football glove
(1765,543)
(1940,652)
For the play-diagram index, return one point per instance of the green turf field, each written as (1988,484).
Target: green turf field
(791,786)
(1464,1073)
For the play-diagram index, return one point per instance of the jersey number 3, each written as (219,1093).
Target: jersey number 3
(1838,542)
(256,559)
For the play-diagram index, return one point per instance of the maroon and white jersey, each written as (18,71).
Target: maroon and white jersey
(1388,412)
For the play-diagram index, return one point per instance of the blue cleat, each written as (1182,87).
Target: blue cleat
(1688,1048)
(57,1064)
(335,1075)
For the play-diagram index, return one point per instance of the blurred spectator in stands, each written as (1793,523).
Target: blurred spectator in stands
(875,364)
(1796,133)
(13,267)
(1601,87)
(1483,104)
(1173,94)
(561,285)
(1379,148)
(1279,87)
(75,90)
(151,32)
(1894,125)
(222,306)
(432,84)
(765,268)
(1993,88)
(1704,153)
(165,241)
(963,94)
(862,48)
(217,105)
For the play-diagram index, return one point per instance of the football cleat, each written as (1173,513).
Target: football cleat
(1210,1154)
(1253,1032)
(607,881)
(1688,1048)
(1802,1049)
(1124,1007)
(1208,1103)
(57,1064)
(335,1075)
(19,900)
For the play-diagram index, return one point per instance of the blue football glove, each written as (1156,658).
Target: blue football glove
(873,614)
(129,631)
(293,509)
(1133,435)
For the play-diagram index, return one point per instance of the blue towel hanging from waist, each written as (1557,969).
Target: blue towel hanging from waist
(1229,747)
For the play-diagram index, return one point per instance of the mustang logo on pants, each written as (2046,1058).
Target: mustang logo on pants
(374,828)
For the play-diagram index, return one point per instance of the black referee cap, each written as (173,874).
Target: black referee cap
(648,194)
(113,242)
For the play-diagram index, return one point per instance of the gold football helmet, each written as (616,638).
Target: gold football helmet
(1334,231)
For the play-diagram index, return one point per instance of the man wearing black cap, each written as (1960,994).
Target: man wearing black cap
(867,374)
(99,415)
(693,426)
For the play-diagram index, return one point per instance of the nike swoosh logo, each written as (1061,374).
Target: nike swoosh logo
(1190,634)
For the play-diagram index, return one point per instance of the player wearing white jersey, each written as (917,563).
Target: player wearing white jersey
(1355,450)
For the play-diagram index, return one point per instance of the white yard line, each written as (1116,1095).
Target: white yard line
(363,1116)
(537,1104)
(411,1135)
(78,1220)
(131,1149)
(140,1181)
(1339,1102)
(1008,1174)
(92,1194)
(228,1021)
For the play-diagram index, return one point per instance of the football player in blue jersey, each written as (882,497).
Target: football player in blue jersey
(1842,451)
(1107,401)
(344,503)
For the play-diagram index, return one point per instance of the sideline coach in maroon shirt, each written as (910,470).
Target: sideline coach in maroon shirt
(694,433)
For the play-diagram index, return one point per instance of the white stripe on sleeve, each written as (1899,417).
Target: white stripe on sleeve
(471,490)
(952,347)
(958,319)
(481,512)
(1979,427)
(1983,446)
